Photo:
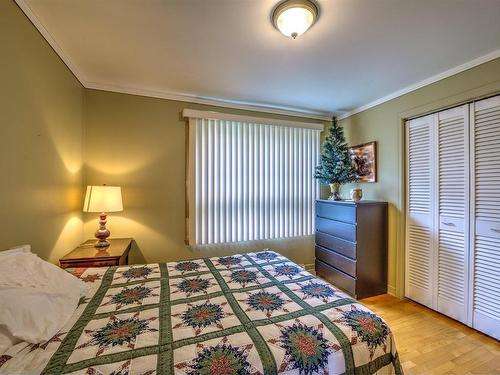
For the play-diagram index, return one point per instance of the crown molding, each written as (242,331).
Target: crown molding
(189,98)
(219,102)
(50,39)
(438,77)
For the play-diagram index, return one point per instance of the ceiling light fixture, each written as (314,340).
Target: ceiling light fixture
(294,17)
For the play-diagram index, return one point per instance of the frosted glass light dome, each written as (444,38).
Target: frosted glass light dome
(294,17)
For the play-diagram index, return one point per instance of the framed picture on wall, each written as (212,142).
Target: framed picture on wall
(364,157)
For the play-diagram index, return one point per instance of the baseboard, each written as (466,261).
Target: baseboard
(391,290)
(308,267)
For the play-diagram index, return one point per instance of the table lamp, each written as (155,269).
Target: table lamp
(103,199)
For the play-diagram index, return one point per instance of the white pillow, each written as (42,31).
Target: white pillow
(36,297)
(34,315)
(29,271)
(17,249)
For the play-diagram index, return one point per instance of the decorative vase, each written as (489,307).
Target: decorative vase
(356,194)
(335,190)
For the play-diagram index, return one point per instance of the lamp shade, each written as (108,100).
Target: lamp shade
(103,199)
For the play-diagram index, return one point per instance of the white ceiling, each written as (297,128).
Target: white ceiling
(358,52)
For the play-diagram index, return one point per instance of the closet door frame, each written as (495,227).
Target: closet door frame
(435,104)
(472,225)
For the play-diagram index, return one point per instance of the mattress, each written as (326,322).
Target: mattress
(255,313)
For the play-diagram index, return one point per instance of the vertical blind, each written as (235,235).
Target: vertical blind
(250,181)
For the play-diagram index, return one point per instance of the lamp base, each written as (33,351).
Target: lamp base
(102,233)
(102,244)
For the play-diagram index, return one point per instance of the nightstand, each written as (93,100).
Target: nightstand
(86,255)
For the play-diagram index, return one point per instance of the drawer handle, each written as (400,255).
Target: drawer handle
(448,224)
(495,230)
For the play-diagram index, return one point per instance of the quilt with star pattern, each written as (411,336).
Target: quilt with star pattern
(256,313)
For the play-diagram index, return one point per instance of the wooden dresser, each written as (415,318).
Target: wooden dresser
(351,245)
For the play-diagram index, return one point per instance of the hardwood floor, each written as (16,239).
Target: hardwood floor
(430,343)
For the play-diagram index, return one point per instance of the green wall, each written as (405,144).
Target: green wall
(384,124)
(139,143)
(41,134)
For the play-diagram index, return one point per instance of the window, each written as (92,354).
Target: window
(249,178)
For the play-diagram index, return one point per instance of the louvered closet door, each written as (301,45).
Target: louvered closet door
(420,210)
(453,207)
(486,259)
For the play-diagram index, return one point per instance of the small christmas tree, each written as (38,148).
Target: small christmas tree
(335,165)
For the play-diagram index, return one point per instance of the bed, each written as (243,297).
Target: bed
(256,313)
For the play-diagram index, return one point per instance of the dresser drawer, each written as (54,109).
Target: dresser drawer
(336,212)
(338,261)
(339,245)
(336,228)
(336,277)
